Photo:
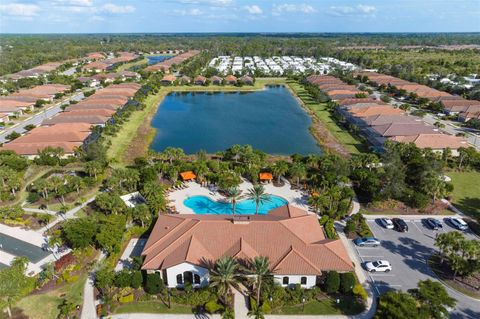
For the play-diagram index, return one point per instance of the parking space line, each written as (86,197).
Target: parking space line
(417,227)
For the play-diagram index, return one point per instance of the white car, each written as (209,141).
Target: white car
(378,265)
(459,223)
(386,222)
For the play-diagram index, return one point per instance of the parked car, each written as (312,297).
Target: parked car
(400,225)
(366,241)
(433,223)
(386,222)
(458,223)
(378,265)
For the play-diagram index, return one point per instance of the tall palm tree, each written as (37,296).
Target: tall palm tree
(234,194)
(260,268)
(279,169)
(225,276)
(298,171)
(257,194)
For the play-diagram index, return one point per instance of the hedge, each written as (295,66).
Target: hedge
(127,298)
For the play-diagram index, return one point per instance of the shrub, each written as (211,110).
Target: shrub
(136,279)
(360,292)
(266,307)
(332,282)
(126,299)
(213,307)
(349,227)
(64,261)
(347,282)
(330,229)
(123,279)
(153,284)
(323,219)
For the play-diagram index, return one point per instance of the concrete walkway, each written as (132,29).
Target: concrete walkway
(89,310)
(240,305)
(68,215)
(163,316)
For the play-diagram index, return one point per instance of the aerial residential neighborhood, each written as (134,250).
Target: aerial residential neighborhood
(232,159)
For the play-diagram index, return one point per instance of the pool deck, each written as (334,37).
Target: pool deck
(294,197)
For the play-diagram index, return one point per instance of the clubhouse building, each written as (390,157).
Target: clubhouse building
(183,248)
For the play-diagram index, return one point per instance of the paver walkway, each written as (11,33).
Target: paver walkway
(89,310)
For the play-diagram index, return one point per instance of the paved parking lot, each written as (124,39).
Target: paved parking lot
(408,253)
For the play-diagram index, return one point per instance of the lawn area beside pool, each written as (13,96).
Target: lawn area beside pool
(466,192)
(154,306)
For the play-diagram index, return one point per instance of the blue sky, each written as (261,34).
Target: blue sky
(83,16)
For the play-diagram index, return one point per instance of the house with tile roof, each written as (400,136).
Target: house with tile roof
(183,248)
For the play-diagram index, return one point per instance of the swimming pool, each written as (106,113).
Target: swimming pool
(205,205)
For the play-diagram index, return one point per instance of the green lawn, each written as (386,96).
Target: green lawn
(352,143)
(45,306)
(152,307)
(126,66)
(347,306)
(466,193)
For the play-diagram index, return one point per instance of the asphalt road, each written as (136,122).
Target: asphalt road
(408,253)
(38,118)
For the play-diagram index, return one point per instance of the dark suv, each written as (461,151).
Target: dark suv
(399,225)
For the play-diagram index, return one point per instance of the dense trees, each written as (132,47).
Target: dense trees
(428,300)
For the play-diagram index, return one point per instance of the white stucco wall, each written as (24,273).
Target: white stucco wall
(296,279)
(172,273)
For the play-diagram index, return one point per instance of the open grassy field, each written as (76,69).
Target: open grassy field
(153,306)
(466,192)
(126,66)
(351,143)
(45,306)
(136,134)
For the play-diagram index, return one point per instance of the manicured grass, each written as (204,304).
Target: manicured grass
(45,306)
(351,143)
(152,307)
(127,66)
(347,306)
(444,212)
(466,192)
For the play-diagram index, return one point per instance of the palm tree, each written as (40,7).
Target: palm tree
(279,169)
(260,268)
(257,194)
(256,312)
(234,194)
(298,172)
(224,276)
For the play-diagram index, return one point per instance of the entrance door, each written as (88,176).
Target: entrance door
(188,277)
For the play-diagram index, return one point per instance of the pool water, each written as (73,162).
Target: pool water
(205,205)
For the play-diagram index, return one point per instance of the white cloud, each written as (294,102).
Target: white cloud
(77,3)
(113,8)
(215,3)
(286,7)
(19,10)
(190,12)
(253,9)
(359,10)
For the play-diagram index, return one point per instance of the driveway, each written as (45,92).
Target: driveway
(408,253)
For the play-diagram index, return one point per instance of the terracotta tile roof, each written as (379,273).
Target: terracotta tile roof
(300,246)
(215,79)
(403,129)
(382,119)
(15,104)
(165,65)
(433,141)
(359,100)
(231,78)
(67,118)
(200,78)
(169,78)
(375,110)
(265,176)
(189,175)
(99,111)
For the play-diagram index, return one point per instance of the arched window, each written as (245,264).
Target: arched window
(196,279)
(179,279)
(303,280)
(286,280)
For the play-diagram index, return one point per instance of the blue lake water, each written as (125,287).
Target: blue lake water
(205,205)
(152,59)
(270,120)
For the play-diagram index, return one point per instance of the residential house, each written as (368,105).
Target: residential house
(231,79)
(200,80)
(216,80)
